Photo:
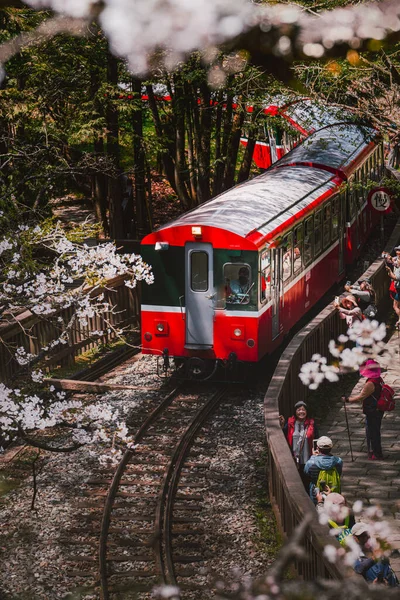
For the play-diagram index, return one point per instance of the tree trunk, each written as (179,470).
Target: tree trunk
(114,183)
(142,226)
(205,144)
(218,160)
(99,188)
(167,161)
(231,157)
(191,145)
(245,167)
(99,183)
(226,131)
(181,170)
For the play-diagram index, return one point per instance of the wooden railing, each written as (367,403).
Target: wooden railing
(33,332)
(288,496)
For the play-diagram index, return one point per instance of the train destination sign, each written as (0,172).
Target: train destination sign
(380,199)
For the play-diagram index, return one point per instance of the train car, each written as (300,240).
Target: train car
(295,121)
(236,273)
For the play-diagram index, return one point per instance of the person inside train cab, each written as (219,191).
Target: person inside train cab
(241,285)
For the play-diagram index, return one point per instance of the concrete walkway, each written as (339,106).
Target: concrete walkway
(373,482)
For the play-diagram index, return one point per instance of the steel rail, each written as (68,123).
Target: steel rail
(163,525)
(112,490)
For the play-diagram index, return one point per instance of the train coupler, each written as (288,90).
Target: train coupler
(165,360)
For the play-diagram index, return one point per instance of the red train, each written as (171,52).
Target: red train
(235,274)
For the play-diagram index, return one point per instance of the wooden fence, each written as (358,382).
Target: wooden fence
(290,501)
(33,332)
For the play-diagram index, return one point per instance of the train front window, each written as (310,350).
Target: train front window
(199,271)
(238,283)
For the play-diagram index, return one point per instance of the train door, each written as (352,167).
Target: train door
(276,289)
(199,296)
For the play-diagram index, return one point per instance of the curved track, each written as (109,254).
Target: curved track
(139,520)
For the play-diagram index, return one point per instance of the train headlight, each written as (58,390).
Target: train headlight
(147,336)
(238,331)
(161,328)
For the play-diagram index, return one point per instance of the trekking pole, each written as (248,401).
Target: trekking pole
(348,428)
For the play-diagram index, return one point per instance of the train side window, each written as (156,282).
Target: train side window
(327,225)
(298,249)
(351,200)
(308,240)
(317,233)
(238,283)
(265,276)
(335,217)
(287,257)
(199,271)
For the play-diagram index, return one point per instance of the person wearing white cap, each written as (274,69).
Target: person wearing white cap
(323,462)
(373,569)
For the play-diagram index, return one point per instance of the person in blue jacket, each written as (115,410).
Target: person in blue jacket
(321,460)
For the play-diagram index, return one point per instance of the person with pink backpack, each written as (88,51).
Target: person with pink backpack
(377,397)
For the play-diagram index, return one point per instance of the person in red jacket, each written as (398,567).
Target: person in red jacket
(300,432)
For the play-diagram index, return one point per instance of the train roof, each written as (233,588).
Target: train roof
(311,116)
(266,202)
(335,146)
(263,203)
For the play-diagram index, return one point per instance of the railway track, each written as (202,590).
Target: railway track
(151,515)
(141,523)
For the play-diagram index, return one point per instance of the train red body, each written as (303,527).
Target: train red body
(292,230)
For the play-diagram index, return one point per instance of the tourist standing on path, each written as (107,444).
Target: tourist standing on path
(323,462)
(300,432)
(369,396)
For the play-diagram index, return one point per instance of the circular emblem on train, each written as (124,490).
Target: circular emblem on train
(380,199)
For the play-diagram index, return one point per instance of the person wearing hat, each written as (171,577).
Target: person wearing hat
(340,516)
(349,309)
(374,569)
(394,289)
(300,432)
(369,396)
(322,460)
(364,293)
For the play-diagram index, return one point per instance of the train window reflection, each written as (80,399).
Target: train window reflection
(327,224)
(335,217)
(317,232)
(265,276)
(298,249)
(238,283)
(199,271)
(308,239)
(287,257)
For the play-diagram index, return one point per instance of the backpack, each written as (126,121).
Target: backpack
(386,400)
(341,531)
(331,478)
